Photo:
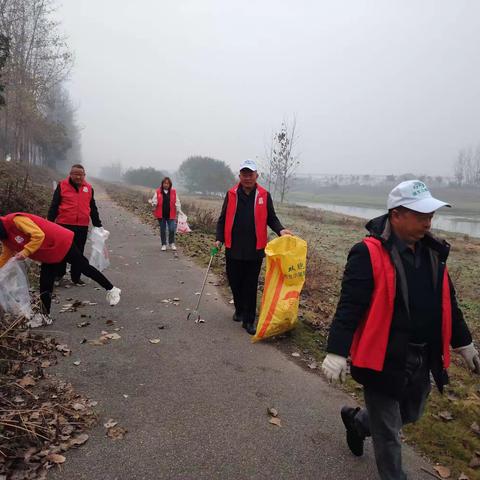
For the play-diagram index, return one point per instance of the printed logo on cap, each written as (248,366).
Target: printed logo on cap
(419,188)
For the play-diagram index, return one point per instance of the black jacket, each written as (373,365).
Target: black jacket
(244,239)
(57,198)
(357,288)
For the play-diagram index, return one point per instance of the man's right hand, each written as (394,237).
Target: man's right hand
(335,367)
(218,244)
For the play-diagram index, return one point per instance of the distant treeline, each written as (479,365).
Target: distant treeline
(196,174)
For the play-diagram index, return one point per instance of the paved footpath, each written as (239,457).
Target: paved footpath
(194,404)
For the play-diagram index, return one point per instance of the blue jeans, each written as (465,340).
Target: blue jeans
(172,227)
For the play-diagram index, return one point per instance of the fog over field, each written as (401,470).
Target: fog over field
(376,87)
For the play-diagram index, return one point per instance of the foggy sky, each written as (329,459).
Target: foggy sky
(376,86)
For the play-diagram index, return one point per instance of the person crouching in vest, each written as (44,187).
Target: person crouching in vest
(24,235)
(167,205)
(72,207)
(397,318)
(242,227)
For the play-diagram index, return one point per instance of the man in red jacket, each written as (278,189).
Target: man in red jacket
(242,226)
(397,319)
(24,235)
(72,207)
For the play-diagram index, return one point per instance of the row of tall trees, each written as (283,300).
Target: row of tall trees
(467,167)
(37,119)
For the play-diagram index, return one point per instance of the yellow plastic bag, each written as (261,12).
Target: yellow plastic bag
(284,279)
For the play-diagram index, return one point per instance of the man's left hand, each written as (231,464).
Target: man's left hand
(285,232)
(471,357)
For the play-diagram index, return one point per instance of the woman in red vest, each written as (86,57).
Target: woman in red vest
(167,205)
(242,227)
(397,319)
(24,235)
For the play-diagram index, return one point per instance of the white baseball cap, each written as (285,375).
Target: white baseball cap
(414,195)
(250,164)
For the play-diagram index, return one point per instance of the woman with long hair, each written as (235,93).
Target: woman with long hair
(167,206)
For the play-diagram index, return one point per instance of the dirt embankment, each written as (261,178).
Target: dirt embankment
(40,416)
(25,188)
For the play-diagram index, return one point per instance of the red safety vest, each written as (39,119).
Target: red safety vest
(74,206)
(370,340)
(173,199)
(54,247)
(260,212)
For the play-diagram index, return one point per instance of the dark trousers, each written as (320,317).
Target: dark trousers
(384,416)
(172,226)
(76,259)
(79,239)
(243,279)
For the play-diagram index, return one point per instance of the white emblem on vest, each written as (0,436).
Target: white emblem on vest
(19,239)
(85,189)
(260,201)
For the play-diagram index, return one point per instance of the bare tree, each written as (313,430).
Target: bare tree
(285,161)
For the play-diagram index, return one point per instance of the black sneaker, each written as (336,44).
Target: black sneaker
(79,283)
(236,317)
(354,439)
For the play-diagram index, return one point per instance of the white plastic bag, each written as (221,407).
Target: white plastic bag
(182,225)
(99,256)
(14,289)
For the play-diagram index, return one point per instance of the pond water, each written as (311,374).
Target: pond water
(468,225)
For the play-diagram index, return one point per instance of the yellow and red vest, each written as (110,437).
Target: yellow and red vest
(74,206)
(370,340)
(55,246)
(260,213)
(173,199)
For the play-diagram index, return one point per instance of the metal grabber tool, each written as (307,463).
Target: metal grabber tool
(195,314)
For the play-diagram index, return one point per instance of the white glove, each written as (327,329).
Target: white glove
(471,357)
(335,367)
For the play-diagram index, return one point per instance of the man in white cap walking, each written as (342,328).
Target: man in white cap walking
(397,319)
(242,227)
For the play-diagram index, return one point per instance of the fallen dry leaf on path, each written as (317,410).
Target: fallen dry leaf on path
(113,336)
(443,472)
(154,340)
(78,440)
(275,421)
(295,354)
(55,458)
(64,350)
(27,381)
(446,415)
(116,433)
(463,477)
